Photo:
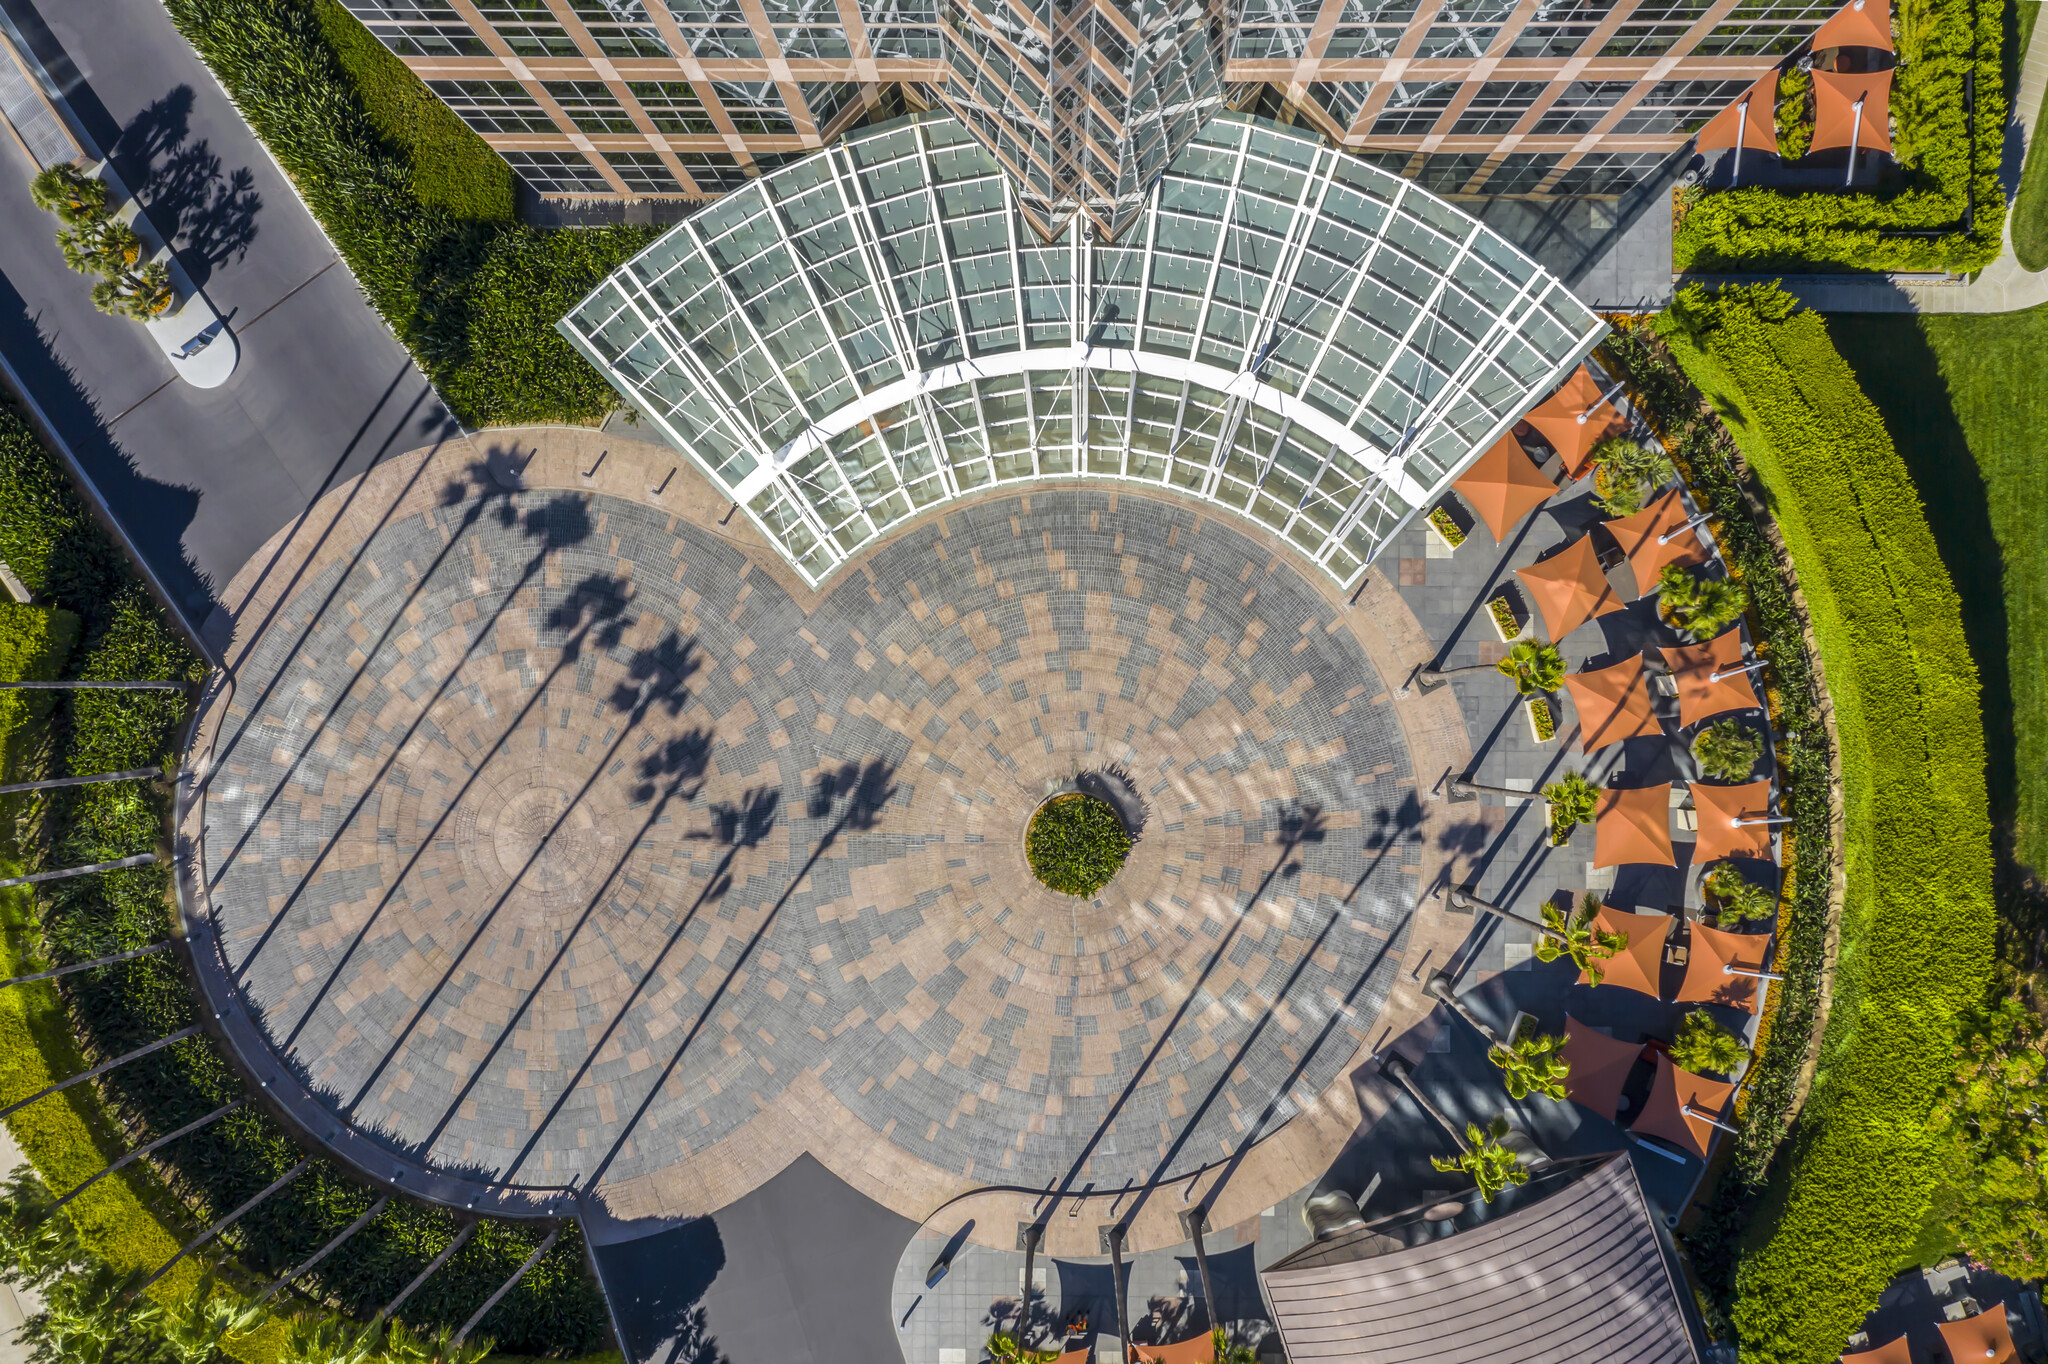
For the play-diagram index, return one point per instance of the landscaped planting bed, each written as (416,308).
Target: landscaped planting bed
(1913,219)
(53,1030)
(1844,1203)
(1076,844)
(415,211)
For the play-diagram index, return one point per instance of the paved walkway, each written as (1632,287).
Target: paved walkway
(481,773)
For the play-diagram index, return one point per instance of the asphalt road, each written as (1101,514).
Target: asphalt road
(199,478)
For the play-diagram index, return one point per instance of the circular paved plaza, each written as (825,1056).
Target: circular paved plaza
(557,833)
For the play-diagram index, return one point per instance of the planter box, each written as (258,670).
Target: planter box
(1443,524)
(1540,715)
(1500,611)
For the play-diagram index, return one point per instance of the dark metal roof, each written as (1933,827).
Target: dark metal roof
(1579,1275)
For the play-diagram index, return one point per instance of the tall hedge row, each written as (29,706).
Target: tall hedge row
(475,300)
(1755,229)
(1917,926)
(63,555)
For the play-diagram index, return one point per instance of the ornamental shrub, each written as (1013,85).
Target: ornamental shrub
(1623,470)
(1076,844)
(1738,896)
(1992,1144)
(1914,218)
(1699,605)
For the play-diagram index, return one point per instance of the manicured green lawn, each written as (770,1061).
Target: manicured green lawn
(2030,210)
(1966,400)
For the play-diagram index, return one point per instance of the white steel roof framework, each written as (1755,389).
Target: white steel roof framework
(1287,331)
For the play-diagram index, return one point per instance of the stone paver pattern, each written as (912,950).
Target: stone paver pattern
(530,782)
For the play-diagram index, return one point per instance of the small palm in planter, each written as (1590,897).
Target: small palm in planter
(70,193)
(1530,1065)
(1623,468)
(1738,896)
(104,246)
(1492,1166)
(1727,750)
(1533,667)
(1573,800)
(140,294)
(1702,1045)
(1577,937)
(1703,607)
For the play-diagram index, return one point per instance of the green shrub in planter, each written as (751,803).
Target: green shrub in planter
(1727,750)
(1076,844)
(1738,896)
(1704,1046)
(1701,606)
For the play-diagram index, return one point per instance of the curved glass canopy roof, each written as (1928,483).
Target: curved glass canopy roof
(1286,331)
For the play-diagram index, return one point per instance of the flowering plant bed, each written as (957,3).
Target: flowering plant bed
(1446,526)
(1506,624)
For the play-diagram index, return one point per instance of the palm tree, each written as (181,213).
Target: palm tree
(1622,468)
(330,1340)
(100,246)
(1739,896)
(1588,946)
(1531,1065)
(1493,1167)
(1727,750)
(68,192)
(1702,607)
(1528,1064)
(1461,897)
(1533,666)
(139,293)
(1703,1045)
(1573,801)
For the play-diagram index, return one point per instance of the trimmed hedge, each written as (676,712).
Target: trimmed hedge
(1918,922)
(475,301)
(1756,229)
(55,1027)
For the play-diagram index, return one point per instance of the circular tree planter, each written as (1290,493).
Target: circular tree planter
(1076,843)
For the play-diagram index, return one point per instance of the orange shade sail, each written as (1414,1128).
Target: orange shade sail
(1199,1349)
(1706,980)
(1569,588)
(1671,1093)
(1641,538)
(1752,119)
(1860,23)
(1613,703)
(1893,1352)
(1633,825)
(1079,1356)
(1718,808)
(1835,116)
(1986,1336)
(1639,965)
(1693,667)
(1557,418)
(1504,485)
(1598,1067)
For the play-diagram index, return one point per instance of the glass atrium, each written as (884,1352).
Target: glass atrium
(1286,331)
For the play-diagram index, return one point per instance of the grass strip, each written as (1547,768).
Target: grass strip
(1857,1177)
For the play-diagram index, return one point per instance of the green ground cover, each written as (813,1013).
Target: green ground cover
(453,169)
(49,1030)
(1076,844)
(414,210)
(1938,161)
(1855,1182)
(1966,400)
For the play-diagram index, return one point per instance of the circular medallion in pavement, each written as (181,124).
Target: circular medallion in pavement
(551,836)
